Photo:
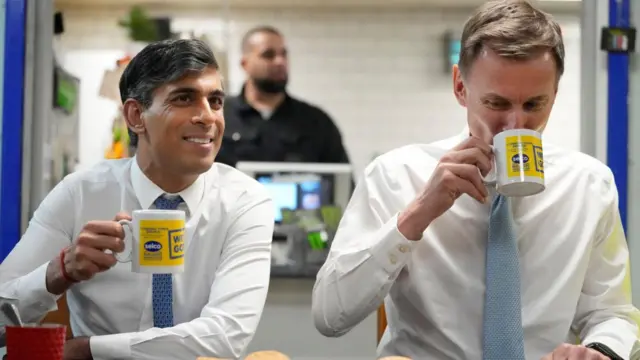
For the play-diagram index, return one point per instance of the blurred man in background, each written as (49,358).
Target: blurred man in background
(264,123)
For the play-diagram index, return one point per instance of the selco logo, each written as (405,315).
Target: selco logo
(152,246)
(517,158)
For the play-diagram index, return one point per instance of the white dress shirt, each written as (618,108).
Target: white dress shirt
(573,260)
(218,299)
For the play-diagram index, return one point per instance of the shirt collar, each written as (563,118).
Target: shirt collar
(147,192)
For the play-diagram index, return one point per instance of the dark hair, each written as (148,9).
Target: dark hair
(257,30)
(160,63)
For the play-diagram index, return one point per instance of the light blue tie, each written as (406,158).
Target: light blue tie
(503,337)
(162,284)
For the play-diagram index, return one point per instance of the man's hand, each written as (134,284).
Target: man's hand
(574,352)
(460,171)
(77,349)
(86,256)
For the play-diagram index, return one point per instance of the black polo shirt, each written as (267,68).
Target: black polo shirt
(295,132)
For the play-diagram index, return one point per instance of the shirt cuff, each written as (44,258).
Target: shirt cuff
(616,346)
(33,294)
(618,334)
(111,347)
(393,250)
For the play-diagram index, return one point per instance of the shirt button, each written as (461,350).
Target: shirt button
(236,136)
(403,248)
(393,259)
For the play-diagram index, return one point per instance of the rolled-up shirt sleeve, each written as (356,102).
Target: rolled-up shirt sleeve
(228,322)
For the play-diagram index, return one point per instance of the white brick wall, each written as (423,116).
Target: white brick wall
(378,73)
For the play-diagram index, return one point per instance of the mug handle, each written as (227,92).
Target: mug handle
(492,177)
(125,255)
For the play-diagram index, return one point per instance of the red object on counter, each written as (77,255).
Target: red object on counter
(35,342)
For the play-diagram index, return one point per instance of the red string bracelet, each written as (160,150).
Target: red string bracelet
(65,274)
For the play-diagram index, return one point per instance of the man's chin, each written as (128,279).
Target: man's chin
(271,86)
(198,166)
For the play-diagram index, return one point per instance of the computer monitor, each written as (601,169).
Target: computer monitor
(283,194)
(302,185)
(291,193)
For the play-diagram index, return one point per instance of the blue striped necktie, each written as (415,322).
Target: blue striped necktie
(503,337)
(162,284)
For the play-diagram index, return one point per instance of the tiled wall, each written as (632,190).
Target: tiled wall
(380,74)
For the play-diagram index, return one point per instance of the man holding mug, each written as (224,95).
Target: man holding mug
(529,264)
(199,240)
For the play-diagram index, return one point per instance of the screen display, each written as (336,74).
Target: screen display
(311,195)
(283,194)
(454,51)
(307,195)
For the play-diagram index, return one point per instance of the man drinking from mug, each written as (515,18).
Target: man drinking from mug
(464,271)
(172,102)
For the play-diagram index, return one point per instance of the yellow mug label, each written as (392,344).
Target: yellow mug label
(524,156)
(161,243)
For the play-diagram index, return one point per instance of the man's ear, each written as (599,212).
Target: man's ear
(459,89)
(243,62)
(133,114)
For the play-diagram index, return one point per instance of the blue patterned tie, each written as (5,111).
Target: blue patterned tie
(162,285)
(503,337)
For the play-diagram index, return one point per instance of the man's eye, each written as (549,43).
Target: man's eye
(533,106)
(182,98)
(496,104)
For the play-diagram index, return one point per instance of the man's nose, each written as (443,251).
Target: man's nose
(280,60)
(514,120)
(206,115)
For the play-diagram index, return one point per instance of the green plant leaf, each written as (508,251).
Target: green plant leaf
(140,26)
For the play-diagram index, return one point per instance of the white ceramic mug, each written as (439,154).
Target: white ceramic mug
(519,163)
(155,241)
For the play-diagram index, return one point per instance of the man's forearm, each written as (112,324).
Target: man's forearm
(56,283)
(77,349)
